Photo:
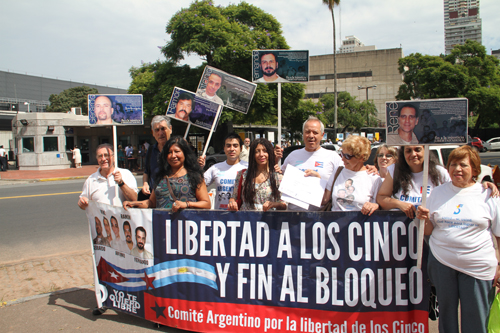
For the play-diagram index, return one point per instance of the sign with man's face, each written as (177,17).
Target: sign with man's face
(223,88)
(186,106)
(115,110)
(438,121)
(277,66)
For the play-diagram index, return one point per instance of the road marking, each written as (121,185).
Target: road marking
(39,195)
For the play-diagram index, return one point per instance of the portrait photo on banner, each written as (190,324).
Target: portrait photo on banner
(275,66)
(439,121)
(115,109)
(185,106)
(223,88)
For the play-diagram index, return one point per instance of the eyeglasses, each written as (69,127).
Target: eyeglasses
(101,156)
(385,155)
(346,156)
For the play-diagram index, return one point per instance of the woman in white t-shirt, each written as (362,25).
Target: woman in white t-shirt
(402,186)
(462,264)
(353,189)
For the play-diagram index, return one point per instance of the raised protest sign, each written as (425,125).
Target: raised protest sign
(275,66)
(266,271)
(115,109)
(187,107)
(434,121)
(223,88)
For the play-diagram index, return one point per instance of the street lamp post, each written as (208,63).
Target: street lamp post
(28,104)
(367,114)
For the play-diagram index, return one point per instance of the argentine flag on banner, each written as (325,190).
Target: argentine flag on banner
(183,270)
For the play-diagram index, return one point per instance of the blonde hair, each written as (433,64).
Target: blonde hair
(359,146)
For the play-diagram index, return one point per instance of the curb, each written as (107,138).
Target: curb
(60,178)
(30,298)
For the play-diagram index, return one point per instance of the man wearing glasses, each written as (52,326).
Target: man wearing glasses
(162,129)
(407,120)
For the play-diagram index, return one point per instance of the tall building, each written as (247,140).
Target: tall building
(353,44)
(461,22)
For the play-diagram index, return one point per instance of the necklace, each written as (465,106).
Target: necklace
(175,174)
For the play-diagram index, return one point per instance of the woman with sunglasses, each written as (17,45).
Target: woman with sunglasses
(385,156)
(402,186)
(353,189)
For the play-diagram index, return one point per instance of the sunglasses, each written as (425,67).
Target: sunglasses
(384,155)
(346,156)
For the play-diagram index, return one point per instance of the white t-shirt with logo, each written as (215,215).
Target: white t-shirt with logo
(462,220)
(323,161)
(352,189)
(224,176)
(414,195)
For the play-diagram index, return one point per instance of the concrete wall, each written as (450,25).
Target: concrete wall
(385,75)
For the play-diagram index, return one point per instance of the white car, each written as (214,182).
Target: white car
(492,144)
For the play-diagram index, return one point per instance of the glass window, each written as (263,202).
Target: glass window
(28,145)
(50,143)
(70,142)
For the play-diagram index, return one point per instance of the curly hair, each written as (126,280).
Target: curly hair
(194,171)
(359,146)
(248,188)
(403,174)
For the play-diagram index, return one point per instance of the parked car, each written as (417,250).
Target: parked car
(492,144)
(476,142)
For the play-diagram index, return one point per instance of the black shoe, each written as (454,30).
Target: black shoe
(98,311)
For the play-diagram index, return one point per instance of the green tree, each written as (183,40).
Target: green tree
(352,114)
(467,72)
(75,97)
(331,6)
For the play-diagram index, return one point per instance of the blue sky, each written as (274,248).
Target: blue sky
(98,41)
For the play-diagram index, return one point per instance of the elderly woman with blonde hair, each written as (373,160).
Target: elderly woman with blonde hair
(350,187)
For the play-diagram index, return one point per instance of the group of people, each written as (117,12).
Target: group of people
(459,218)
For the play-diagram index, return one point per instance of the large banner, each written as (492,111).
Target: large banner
(223,88)
(433,121)
(273,66)
(219,271)
(115,109)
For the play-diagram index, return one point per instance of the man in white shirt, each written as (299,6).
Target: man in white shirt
(117,243)
(224,173)
(245,150)
(140,239)
(101,186)
(313,159)
(213,83)
(3,159)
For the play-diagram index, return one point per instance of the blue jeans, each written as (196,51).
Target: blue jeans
(476,297)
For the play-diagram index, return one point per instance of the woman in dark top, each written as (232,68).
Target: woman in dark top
(180,169)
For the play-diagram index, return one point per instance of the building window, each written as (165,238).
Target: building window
(50,143)
(70,142)
(29,145)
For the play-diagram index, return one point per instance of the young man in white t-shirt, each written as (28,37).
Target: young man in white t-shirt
(224,173)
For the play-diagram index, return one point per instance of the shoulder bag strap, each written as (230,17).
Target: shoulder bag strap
(170,190)
(339,170)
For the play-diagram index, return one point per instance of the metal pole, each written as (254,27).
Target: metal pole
(279,114)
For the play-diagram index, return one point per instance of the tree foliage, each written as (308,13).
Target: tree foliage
(352,114)
(467,72)
(223,37)
(75,97)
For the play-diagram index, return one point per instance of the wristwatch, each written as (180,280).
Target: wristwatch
(121,184)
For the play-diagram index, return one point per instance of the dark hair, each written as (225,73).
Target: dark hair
(140,229)
(266,53)
(126,223)
(414,107)
(108,147)
(219,75)
(249,185)
(194,171)
(233,135)
(403,174)
(184,96)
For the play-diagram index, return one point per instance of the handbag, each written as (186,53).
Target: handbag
(239,201)
(328,206)
(494,320)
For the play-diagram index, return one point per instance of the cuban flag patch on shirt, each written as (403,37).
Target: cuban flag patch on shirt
(318,164)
